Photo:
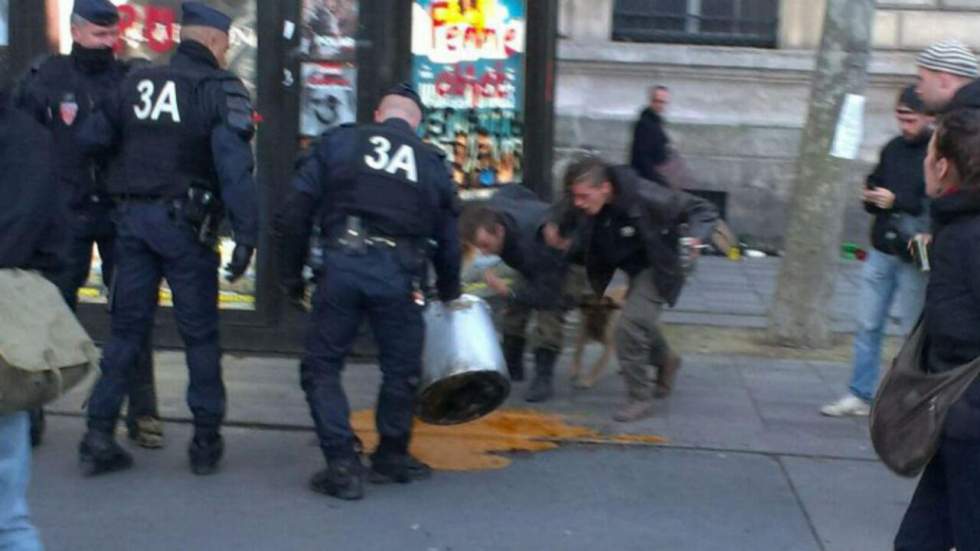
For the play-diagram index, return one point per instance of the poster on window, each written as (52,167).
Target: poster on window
(468,66)
(330,29)
(151,29)
(329,96)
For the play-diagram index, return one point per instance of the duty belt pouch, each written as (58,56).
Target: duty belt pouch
(911,405)
(44,351)
(202,210)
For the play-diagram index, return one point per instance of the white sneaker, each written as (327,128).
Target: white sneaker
(849,405)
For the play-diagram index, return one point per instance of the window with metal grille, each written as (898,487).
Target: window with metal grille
(719,22)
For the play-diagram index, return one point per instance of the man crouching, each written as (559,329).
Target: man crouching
(510,226)
(623,222)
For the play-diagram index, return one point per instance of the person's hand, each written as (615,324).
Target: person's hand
(496,283)
(880,197)
(925,237)
(552,237)
(240,259)
(295,291)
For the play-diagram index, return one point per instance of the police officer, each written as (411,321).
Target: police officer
(184,158)
(381,197)
(510,226)
(60,92)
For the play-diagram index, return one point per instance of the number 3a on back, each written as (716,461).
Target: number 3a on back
(402,161)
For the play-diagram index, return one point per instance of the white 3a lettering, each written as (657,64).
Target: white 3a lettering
(165,103)
(402,161)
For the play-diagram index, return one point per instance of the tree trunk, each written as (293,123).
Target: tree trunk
(800,315)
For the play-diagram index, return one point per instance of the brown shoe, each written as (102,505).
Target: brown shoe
(147,432)
(667,376)
(634,411)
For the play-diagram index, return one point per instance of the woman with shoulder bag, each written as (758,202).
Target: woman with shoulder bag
(945,510)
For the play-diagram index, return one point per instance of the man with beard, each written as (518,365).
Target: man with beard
(60,92)
(895,195)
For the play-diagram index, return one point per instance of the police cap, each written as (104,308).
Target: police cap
(405,90)
(198,14)
(98,12)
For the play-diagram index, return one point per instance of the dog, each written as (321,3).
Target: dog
(599,316)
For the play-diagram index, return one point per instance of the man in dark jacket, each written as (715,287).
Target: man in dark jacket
(895,195)
(509,226)
(650,142)
(61,92)
(631,224)
(31,238)
(947,76)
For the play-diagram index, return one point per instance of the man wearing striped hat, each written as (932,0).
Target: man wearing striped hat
(947,76)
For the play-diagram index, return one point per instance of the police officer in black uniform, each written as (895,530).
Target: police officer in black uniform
(182,132)
(386,205)
(60,92)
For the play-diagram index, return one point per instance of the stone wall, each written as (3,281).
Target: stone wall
(737,113)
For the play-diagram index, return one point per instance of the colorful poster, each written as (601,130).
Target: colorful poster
(329,96)
(330,28)
(468,66)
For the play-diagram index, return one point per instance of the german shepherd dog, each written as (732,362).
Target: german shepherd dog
(598,324)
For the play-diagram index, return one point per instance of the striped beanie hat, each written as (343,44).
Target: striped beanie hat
(949,56)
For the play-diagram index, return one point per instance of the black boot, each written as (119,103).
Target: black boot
(205,453)
(342,479)
(514,356)
(98,453)
(542,388)
(37,426)
(401,468)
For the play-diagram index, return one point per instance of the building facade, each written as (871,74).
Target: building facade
(740,74)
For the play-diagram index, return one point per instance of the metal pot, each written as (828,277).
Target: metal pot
(464,376)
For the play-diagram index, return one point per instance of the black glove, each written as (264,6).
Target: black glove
(240,259)
(295,291)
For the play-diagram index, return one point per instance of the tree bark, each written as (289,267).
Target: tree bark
(800,315)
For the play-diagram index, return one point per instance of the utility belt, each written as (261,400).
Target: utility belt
(200,208)
(92,200)
(355,238)
(411,252)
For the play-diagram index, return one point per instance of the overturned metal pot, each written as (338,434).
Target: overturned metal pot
(464,376)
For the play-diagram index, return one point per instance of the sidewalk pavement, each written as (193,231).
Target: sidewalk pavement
(749,463)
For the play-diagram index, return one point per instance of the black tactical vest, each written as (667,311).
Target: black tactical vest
(166,133)
(390,185)
(68,94)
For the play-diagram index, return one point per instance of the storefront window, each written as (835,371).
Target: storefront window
(468,65)
(150,29)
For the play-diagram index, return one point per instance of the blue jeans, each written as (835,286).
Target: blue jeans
(885,279)
(16,531)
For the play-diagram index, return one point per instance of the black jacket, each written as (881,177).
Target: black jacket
(653,213)
(650,143)
(32,213)
(952,309)
(899,170)
(523,216)
(966,97)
